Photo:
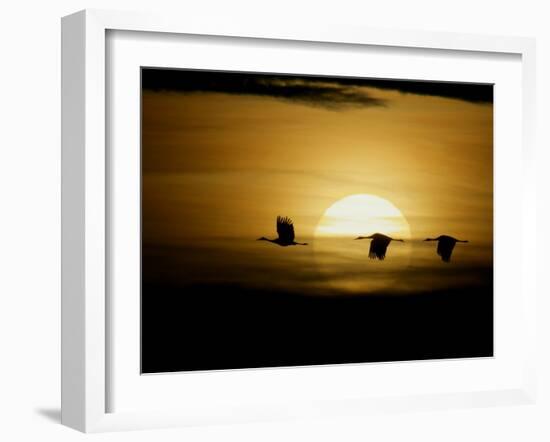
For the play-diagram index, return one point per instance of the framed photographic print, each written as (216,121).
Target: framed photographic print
(224,154)
(267,223)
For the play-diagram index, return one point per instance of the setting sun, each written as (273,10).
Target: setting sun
(343,262)
(363,214)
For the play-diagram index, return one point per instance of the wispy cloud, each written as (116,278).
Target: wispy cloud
(327,93)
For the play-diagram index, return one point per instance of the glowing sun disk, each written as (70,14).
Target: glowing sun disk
(363,214)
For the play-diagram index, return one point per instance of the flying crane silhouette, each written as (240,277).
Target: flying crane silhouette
(285,229)
(378,245)
(445,246)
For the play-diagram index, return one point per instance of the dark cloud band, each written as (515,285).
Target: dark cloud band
(326,92)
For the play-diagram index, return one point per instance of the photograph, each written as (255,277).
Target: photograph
(293,220)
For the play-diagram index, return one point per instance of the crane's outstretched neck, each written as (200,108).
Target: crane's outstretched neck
(301,243)
(400,240)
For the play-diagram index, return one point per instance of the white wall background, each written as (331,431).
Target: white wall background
(30,218)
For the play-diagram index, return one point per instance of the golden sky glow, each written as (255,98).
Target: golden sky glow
(220,167)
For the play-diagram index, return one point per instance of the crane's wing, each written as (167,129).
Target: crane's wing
(373,252)
(378,247)
(445,248)
(285,229)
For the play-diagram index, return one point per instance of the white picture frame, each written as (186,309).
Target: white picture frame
(86,352)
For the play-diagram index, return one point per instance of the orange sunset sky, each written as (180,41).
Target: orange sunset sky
(220,162)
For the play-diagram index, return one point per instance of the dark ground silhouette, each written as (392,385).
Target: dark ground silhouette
(226,326)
